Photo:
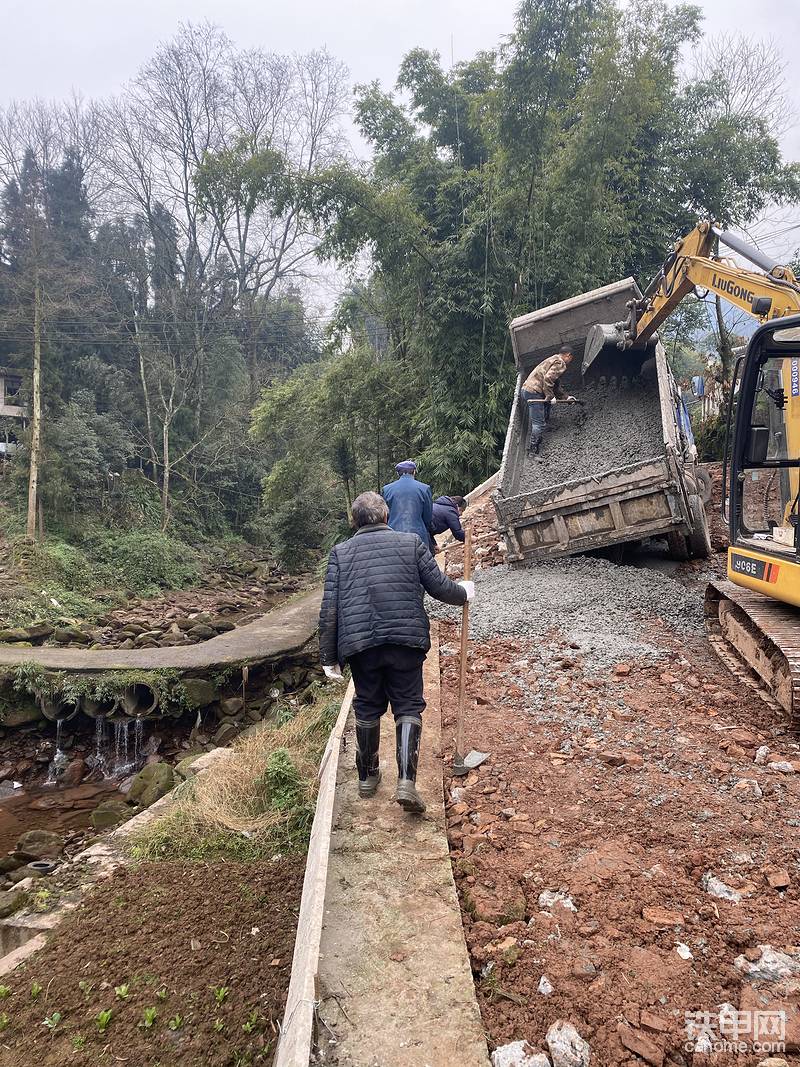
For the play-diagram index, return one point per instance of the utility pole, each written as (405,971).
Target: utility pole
(36,409)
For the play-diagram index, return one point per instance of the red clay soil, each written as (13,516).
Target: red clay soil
(626,806)
(173,933)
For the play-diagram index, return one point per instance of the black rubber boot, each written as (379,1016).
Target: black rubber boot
(408,731)
(368,740)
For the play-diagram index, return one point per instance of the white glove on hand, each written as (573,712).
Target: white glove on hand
(553,399)
(571,399)
(470,588)
(334,674)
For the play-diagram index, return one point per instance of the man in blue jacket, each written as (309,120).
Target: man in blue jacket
(447,516)
(373,617)
(410,502)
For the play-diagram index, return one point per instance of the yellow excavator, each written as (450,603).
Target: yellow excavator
(753,619)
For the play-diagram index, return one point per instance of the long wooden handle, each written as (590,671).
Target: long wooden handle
(462,679)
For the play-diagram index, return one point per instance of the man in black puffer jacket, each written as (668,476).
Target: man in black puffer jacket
(374,619)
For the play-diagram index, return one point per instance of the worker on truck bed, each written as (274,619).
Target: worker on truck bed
(410,502)
(373,617)
(447,516)
(540,389)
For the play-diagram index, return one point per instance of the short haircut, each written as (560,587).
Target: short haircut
(459,501)
(565,350)
(369,509)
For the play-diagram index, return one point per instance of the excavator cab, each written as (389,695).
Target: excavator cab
(763,464)
(752,619)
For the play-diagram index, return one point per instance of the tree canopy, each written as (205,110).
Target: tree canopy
(177,231)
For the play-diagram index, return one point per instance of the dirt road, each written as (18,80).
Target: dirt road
(660,797)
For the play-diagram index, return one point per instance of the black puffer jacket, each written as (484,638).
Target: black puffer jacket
(374,593)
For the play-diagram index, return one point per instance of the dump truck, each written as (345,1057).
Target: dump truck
(619,467)
(753,617)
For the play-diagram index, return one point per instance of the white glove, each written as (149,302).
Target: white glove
(553,399)
(334,674)
(470,588)
(571,399)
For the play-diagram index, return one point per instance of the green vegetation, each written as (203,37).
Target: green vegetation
(573,152)
(256,802)
(102,1020)
(87,578)
(252,1022)
(148,1018)
(30,677)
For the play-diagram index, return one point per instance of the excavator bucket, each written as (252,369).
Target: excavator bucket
(605,355)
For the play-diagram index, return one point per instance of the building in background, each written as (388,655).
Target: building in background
(12,413)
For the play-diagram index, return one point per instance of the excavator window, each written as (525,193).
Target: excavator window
(770,465)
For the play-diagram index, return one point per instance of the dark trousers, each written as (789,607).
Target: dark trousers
(388,674)
(538,417)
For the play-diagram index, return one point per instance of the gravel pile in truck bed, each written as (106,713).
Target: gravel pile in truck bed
(616,426)
(600,606)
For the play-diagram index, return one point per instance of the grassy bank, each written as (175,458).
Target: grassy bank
(257,802)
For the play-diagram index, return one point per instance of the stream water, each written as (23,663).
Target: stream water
(50,808)
(118,752)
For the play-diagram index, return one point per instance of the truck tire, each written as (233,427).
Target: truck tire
(699,538)
(703,479)
(677,546)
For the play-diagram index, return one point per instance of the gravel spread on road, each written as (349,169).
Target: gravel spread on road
(601,606)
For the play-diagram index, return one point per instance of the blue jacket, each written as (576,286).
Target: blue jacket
(410,506)
(446,517)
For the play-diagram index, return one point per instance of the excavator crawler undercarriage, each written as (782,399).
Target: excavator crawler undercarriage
(759,640)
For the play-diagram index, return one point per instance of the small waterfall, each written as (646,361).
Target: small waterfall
(121,731)
(100,757)
(99,738)
(59,761)
(138,740)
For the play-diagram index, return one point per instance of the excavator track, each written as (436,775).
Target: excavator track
(758,639)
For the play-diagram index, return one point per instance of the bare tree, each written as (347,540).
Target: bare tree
(749,77)
(228,142)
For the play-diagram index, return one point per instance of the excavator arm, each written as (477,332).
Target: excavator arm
(690,266)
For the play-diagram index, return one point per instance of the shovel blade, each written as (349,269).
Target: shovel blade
(474,759)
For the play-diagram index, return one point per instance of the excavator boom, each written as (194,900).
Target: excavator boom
(689,267)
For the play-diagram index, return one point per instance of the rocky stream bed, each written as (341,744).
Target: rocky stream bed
(229,597)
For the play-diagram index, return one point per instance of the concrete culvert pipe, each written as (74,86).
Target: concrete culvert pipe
(56,708)
(97,709)
(139,701)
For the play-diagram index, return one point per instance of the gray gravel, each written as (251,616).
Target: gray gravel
(602,607)
(615,426)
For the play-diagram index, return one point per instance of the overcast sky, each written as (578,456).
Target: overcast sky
(52,47)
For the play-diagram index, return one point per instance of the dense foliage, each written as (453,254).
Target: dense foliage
(174,231)
(156,244)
